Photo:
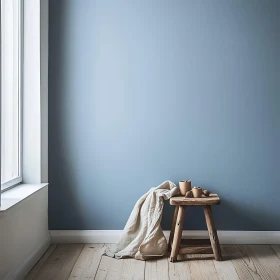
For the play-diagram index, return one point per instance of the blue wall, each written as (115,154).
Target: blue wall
(146,91)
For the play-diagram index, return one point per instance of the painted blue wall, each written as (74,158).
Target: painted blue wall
(145,91)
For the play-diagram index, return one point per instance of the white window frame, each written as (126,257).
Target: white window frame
(11,183)
(35,104)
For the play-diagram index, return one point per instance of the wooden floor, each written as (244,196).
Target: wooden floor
(85,261)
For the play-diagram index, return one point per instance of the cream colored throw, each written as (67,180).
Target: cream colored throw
(142,236)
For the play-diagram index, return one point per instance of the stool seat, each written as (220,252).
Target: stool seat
(213,199)
(178,246)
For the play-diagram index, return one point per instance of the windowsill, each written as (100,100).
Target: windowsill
(17,194)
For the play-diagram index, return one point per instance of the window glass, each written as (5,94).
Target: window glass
(10,93)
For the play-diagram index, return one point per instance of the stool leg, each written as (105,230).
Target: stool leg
(171,236)
(177,234)
(212,233)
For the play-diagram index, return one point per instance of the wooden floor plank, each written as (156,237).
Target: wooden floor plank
(225,269)
(87,264)
(202,267)
(157,269)
(179,270)
(32,273)
(132,269)
(61,262)
(245,266)
(109,267)
(276,249)
(114,269)
(266,260)
(77,261)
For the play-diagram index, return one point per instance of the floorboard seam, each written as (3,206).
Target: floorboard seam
(76,261)
(99,262)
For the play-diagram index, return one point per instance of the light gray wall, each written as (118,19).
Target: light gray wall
(145,91)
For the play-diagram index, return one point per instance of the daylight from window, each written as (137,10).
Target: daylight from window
(10,93)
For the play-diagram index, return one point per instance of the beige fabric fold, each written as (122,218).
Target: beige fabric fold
(142,237)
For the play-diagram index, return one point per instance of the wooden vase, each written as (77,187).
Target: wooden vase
(185,186)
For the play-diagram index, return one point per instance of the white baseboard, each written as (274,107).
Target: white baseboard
(21,270)
(112,236)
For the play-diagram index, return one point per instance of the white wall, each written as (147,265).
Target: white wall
(24,235)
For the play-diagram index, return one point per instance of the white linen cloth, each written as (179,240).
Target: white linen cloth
(142,236)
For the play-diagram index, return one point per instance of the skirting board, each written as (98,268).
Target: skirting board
(112,236)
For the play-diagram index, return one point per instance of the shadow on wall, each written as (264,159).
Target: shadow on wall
(63,188)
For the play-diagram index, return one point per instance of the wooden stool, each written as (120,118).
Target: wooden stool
(193,246)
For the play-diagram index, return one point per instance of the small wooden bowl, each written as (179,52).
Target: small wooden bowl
(197,192)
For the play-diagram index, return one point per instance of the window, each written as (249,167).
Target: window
(11,53)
